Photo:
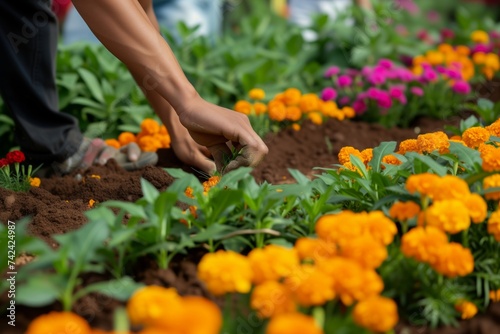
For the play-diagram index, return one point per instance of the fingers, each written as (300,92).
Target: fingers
(132,150)
(93,151)
(221,154)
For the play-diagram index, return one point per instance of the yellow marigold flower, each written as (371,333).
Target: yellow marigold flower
(434,57)
(208,317)
(315,117)
(272,263)
(421,183)
(365,250)
(445,48)
(259,108)
(480,36)
(149,143)
(310,286)
(449,187)
(210,183)
(348,112)
(296,127)
(293,323)
(381,228)
(423,244)
(338,115)
(277,110)
(293,113)
(492,181)
(404,210)
(315,249)
(478,209)
(419,60)
(113,143)
(430,142)
(126,138)
(225,272)
(35,181)
(475,136)
(257,94)
(352,282)
(491,160)
(479,58)
(409,145)
(488,72)
(449,215)
(466,309)
(272,298)
(376,313)
(367,155)
(494,225)
(495,295)
(492,61)
(329,108)
(346,152)
(309,103)
(60,323)
(453,260)
(291,96)
(149,126)
(339,228)
(463,50)
(391,160)
(243,107)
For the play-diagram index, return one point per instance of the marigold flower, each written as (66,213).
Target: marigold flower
(492,181)
(478,209)
(491,158)
(91,203)
(480,37)
(243,107)
(277,110)
(163,130)
(208,317)
(259,108)
(349,112)
(475,136)
(391,160)
(409,145)
(367,155)
(423,243)
(365,250)
(462,50)
(421,183)
(376,313)
(272,298)
(149,126)
(494,128)
(113,143)
(293,113)
(35,181)
(381,228)
(492,62)
(404,210)
(272,263)
(293,323)
(328,108)
(3,162)
(257,94)
(346,152)
(315,249)
(291,96)
(466,309)
(339,228)
(60,323)
(15,157)
(495,295)
(225,272)
(149,143)
(309,103)
(189,192)
(494,225)
(163,139)
(453,260)
(315,117)
(126,138)
(430,142)
(210,183)
(296,127)
(449,187)
(310,286)
(449,215)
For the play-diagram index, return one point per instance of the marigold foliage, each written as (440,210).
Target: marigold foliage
(272,263)
(272,298)
(378,314)
(60,323)
(448,215)
(404,210)
(293,323)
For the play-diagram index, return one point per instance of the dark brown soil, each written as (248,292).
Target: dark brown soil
(58,207)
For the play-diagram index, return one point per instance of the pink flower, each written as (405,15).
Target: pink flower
(384,100)
(401,30)
(417,91)
(332,71)
(344,81)
(494,34)
(433,16)
(344,100)
(386,63)
(461,87)
(372,93)
(359,107)
(430,75)
(481,48)
(397,92)
(447,34)
(404,75)
(454,74)
(328,94)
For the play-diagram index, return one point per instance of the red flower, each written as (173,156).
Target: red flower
(15,156)
(3,162)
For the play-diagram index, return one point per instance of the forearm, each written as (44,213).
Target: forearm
(126,31)
(365,4)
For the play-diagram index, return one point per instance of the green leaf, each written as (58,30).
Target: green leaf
(121,289)
(134,209)
(149,191)
(299,177)
(380,152)
(468,156)
(92,84)
(214,232)
(485,104)
(40,290)
(429,162)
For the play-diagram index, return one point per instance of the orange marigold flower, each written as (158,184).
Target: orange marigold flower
(423,243)
(315,117)
(367,155)
(210,183)
(164,140)
(259,108)
(494,128)
(376,313)
(480,37)
(391,160)
(495,295)
(479,58)
(492,181)
(293,323)
(466,309)
(365,250)
(163,130)
(149,143)
(272,298)
(296,127)
(421,183)
(449,187)
(309,103)
(310,286)
(35,181)
(189,192)
(349,112)
(126,138)
(445,48)
(257,94)
(478,209)
(430,142)
(91,203)
(291,96)
(225,272)
(315,249)
(409,145)
(329,108)
(404,210)
(339,228)
(462,50)
(494,225)
(381,228)
(475,136)
(272,263)
(243,107)
(492,62)
(434,57)
(277,110)
(208,317)
(60,323)
(113,143)
(293,113)
(346,152)
(453,260)
(149,126)
(449,215)
(491,159)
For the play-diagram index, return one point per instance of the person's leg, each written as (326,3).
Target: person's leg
(28,44)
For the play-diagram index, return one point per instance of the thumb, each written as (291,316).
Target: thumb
(221,154)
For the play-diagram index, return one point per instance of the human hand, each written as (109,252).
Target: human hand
(213,127)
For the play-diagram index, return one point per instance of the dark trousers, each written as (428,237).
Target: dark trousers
(28,46)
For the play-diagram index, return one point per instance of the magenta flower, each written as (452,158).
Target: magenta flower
(461,87)
(397,91)
(447,34)
(345,100)
(332,71)
(344,81)
(454,74)
(328,94)
(372,93)
(417,91)
(359,107)
(430,75)
(481,48)
(494,34)
(404,75)
(433,16)
(386,63)
(352,72)
(384,100)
